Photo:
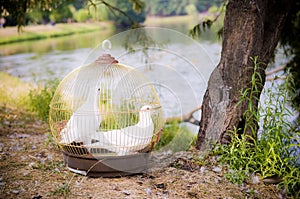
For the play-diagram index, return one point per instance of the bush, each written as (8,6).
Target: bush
(82,15)
(275,152)
(61,13)
(99,12)
(175,138)
(40,98)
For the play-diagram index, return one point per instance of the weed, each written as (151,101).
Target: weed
(47,166)
(273,153)
(40,99)
(175,137)
(62,190)
(49,140)
(236,176)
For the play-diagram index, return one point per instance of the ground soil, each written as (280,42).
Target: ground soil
(31,166)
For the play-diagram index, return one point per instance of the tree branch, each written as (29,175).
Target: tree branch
(186,118)
(207,23)
(113,8)
(271,72)
(275,70)
(275,78)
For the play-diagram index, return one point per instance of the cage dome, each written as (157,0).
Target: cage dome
(105,111)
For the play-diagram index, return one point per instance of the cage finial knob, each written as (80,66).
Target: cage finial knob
(106,59)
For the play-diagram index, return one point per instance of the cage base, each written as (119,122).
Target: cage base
(107,166)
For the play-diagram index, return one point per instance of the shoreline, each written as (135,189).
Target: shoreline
(10,35)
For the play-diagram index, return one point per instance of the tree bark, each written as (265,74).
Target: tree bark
(251,28)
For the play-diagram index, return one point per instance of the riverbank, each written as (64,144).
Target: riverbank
(11,34)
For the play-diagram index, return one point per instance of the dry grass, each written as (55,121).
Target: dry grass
(14,92)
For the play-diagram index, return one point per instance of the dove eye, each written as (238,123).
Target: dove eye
(148,108)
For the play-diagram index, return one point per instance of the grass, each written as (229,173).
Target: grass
(11,34)
(20,95)
(40,98)
(14,92)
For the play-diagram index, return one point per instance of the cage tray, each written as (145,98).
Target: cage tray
(107,166)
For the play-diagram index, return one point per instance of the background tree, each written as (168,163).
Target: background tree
(177,7)
(18,10)
(125,14)
(62,13)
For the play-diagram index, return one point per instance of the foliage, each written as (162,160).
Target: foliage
(61,14)
(275,152)
(166,8)
(213,20)
(175,137)
(36,16)
(124,13)
(19,9)
(82,15)
(40,99)
(178,7)
(39,11)
(290,40)
(99,13)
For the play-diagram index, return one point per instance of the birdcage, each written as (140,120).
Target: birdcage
(106,117)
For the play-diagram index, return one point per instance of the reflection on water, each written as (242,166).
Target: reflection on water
(45,59)
(71,42)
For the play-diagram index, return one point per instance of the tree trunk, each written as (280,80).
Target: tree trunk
(251,28)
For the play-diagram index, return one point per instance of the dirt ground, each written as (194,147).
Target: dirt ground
(31,166)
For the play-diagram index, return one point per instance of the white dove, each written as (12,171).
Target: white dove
(84,121)
(129,139)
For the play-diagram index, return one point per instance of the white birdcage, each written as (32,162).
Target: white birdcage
(106,117)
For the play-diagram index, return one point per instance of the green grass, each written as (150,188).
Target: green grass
(11,34)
